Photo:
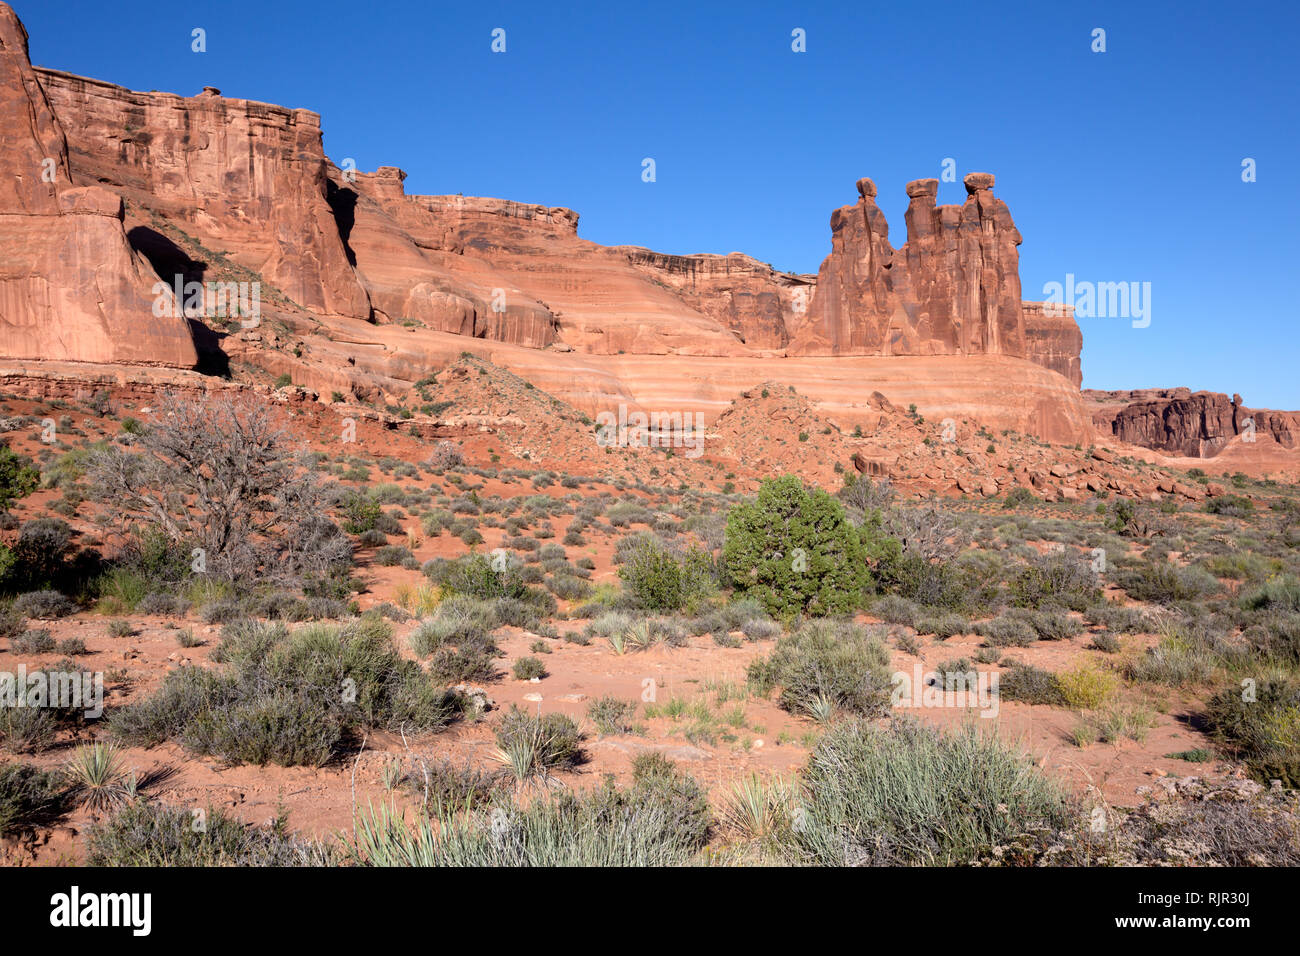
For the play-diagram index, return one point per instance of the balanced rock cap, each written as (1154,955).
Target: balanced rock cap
(918,188)
(866,188)
(977,181)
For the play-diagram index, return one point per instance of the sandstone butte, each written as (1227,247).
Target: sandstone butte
(366,290)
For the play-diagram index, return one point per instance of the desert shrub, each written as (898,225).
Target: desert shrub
(531,744)
(896,610)
(566,587)
(162,604)
(18,477)
(1019,497)
(760,629)
(662,819)
(1116,617)
(905,794)
(926,533)
(1278,593)
(29,797)
(1029,685)
(460,641)
(826,666)
(1052,625)
(148,834)
(222,611)
(41,550)
(289,699)
(43,605)
(479,576)
(1106,642)
(1181,658)
(12,623)
(942,626)
(863,495)
(71,647)
(795,551)
(526,668)
(27,729)
(446,787)
(1262,729)
(1161,582)
(1084,687)
(444,455)
(255,505)
(1057,577)
(1231,506)
(658,581)
(33,642)
(612,715)
(394,555)
(1006,630)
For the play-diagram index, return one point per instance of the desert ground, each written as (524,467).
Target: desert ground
(584,622)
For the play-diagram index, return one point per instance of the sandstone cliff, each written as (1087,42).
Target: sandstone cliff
(368,289)
(1181,422)
(71,288)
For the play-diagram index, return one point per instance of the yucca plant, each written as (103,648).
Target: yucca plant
(640,636)
(759,810)
(98,778)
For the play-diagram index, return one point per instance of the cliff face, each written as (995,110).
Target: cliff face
(1053,339)
(144,187)
(243,178)
(1179,421)
(71,288)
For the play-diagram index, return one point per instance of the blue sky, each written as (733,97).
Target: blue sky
(1118,166)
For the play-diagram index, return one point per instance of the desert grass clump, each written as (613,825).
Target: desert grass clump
(662,819)
(1084,687)
(905,794)
(826,666)
(759,810)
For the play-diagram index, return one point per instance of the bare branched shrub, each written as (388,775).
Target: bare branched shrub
(445,455)
(928,532)
(223,475)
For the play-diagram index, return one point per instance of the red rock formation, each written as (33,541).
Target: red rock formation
(372,288)
(70,286)
(243,178)
(753,300)
(1190,424)
(953,288)
(1053,339)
